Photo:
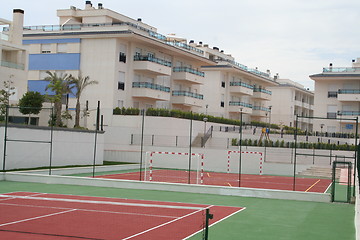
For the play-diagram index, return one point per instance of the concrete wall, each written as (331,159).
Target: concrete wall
(226,191)
(69,147)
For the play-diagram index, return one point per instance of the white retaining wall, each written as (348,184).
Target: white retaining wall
(69,147)
(173,187)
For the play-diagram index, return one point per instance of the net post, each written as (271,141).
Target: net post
(208,216)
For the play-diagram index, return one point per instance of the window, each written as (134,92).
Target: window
(222,103)
(45,48)
(332,94)
(223,84)
(120,104)
(122,57)
(62,48)
(121,82)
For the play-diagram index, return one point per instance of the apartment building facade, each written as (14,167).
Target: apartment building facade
(300,102)
(337,98)
(136,66)
(13,56)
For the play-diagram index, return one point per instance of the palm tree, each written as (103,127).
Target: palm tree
(79,84)
(60,85)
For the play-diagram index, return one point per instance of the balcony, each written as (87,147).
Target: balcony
(12,65)
(261,93)
(188,74)
(152,65)
(150,91)
(341,70)
(242,88)
(349,95)
(260,111)
(348,113)
(236,106)
(187,98)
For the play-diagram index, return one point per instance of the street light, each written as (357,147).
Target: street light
(203,139)
(321,133)
(270,117)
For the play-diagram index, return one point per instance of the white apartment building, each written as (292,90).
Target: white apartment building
(337,98)
(288,100)
(136,66)
(233,88)
(13,56)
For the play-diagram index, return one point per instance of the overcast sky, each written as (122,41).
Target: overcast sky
(295,38)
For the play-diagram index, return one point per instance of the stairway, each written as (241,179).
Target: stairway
(325,172)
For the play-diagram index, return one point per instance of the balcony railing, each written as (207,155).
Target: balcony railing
(189,70)
(349,91)
(348,113)
(188,94)
(49,28)
(341,69)
(151,86)
(242,84)
(12,65)
(261,108)
(242,104)
(262,90)
(152,59)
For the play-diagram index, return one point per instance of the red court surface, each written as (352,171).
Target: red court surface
(42,216)
(232,180)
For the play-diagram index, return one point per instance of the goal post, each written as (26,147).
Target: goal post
(174,167)
(252,161)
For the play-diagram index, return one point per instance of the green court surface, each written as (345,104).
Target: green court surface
(268,219)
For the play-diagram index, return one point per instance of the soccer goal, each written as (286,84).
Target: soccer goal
(249,163)
(174,167)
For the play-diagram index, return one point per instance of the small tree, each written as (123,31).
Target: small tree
(31,103)
(5,94)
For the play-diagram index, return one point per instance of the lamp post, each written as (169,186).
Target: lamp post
(270,117)
(203,139)
(321,133)
(240,138)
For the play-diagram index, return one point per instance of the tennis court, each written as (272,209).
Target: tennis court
(304,184)
(27,215)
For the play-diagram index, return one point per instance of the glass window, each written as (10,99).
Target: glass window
(45,48)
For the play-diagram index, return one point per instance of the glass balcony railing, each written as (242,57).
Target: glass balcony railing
(189,70)
(12,65)
(261,108)
(49,28)
(242,104)
(242,84)
(262,90)
(341,69)
(188,94)
(349,91)
(348,113)
(152,59)
(151,86)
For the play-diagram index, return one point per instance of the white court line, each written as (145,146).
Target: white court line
(150,229)
(104,202)
(216,222)
(44,216)
(88,210)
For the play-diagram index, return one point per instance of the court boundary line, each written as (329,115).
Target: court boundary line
(104,202)
(88,210)
(161,225)
(33,218)
(242,209)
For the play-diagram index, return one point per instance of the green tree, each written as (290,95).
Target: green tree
(31,103)
(5,94)
(60,85)
(79,84)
